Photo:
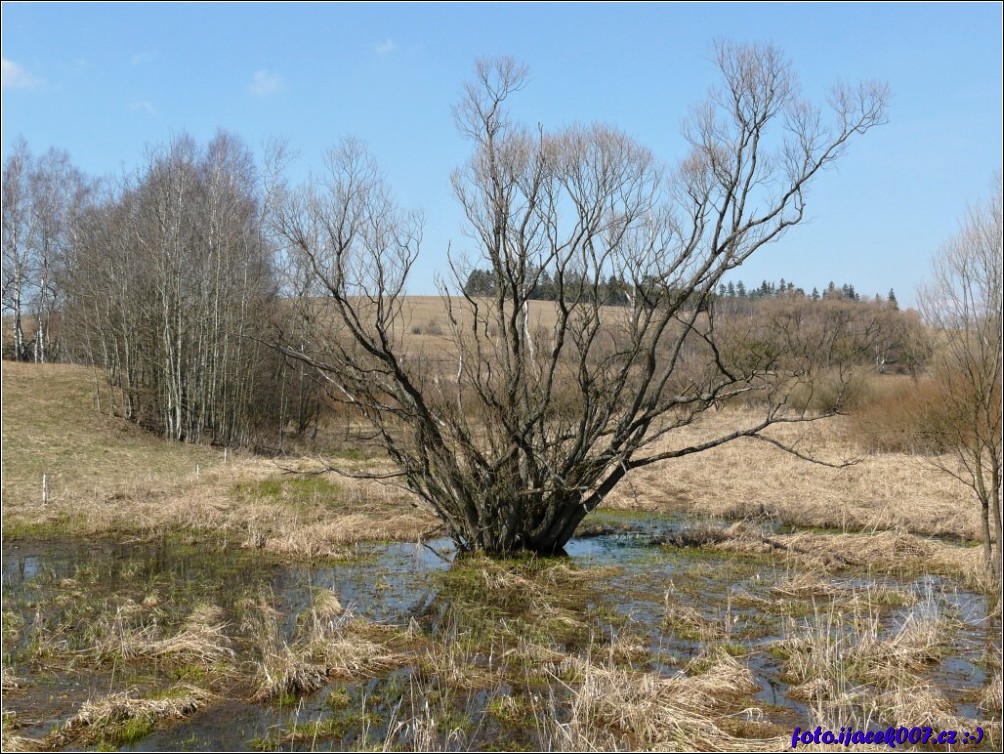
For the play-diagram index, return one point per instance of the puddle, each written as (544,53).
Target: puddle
(678,602)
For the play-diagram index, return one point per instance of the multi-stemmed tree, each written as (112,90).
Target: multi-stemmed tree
(520,423)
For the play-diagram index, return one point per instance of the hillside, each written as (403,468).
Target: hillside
(50,426)
(108,477)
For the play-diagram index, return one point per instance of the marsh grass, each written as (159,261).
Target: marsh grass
(328,643)
(513,654)
(853,669)
(838,650)
(201,639)
(541,599)
(810,583)
(895,552)
(990,698)
(124,718)
(614,709)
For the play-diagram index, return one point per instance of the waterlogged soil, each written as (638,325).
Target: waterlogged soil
(64,601)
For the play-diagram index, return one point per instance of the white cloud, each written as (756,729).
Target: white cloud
(143,105)
(15,77)
(146,56)
(265,83)
(386,47)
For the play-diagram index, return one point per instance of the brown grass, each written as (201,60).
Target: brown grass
(202,639)
(991,698)
(754,479)
(51,426)
(615,709)
(130,482)
(109,478)
(105,718)
(851,670)
(328,644)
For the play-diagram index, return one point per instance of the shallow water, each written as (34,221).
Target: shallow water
(47,587)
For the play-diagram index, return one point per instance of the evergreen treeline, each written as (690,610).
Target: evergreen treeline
(615,292)
(783,288)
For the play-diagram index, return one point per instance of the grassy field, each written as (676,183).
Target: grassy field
(107,477)
(165,591)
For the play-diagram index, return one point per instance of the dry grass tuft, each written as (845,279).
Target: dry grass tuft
(202,639)
(688,623)
(281,669)
(283,672)
(844,662)
(701,535)
(107,718)
(326,605)
(921,704)
(614,709)
(721,674)
(990,700)
(328,643)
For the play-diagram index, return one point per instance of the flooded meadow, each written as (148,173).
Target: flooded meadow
(654,632)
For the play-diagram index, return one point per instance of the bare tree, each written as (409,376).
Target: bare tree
(519,424)
(41,196)
(172,283)
(17,229)
(963,302)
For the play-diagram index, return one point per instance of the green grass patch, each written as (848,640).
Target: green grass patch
(291,489)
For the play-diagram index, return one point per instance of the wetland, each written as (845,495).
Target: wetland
(654,631)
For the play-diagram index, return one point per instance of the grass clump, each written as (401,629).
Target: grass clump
(615,709)
(201,640)
(328,643)
(122,718)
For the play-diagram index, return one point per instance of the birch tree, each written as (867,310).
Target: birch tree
(962,301)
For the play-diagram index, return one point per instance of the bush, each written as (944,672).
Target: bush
(897,414)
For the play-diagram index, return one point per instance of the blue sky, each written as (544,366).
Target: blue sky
(105,81)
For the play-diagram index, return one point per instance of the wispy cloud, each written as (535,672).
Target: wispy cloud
(143,105)
(265,83)
(16,77)
(147,56)
(386,47)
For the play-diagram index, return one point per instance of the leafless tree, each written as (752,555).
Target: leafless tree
(41,196)
(172,280)
(963,302)
(519,425)
(17,229)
